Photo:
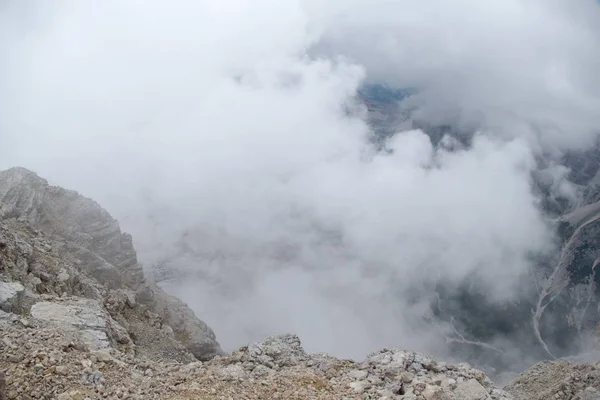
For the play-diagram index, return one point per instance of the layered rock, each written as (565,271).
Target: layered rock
(56,242)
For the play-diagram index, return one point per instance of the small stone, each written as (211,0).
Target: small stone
(358,374)
(61,370)
(14,358)
(406,377)
(360,386)
(101,355)
(77,395)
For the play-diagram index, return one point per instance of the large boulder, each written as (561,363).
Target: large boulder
(11,294)
(86,318)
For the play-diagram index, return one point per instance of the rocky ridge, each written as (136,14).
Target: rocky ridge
(558,380)
(44,362)
(58,243)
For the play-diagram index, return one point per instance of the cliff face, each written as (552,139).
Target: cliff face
(81,241)
(76,225)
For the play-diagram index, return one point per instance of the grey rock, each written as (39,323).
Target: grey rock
(391,374)
(233,372)
(358,374)
(471,390)
(282,350)
(11,296)
(80,230)
(85,317)
(92,377)
(550,380)
(76,223)
(198,337)
(3,394)
(360,386)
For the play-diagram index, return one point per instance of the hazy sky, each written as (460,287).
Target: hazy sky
(225,119)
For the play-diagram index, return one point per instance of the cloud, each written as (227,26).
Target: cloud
(524,69)
(217,133)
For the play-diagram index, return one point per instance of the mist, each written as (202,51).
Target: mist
(226,138)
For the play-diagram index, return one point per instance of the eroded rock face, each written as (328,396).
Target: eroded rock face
(56,242)
(75,224)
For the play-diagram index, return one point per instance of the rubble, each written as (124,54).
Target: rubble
(43,362)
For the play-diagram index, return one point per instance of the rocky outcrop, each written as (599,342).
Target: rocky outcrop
(387,374)
(560,380)
(86,318)
(42,361)
(56,242)
(39,283)
(75,224)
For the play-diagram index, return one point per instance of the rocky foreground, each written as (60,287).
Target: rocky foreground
(78,320)
(44,363)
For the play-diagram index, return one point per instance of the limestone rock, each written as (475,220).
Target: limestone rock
(76,230)
(557,380)
(2,386)
(198,338)
(387,374)
(86,317)
(11,295)
(76,223)
(281,350)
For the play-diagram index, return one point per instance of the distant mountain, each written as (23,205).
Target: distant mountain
(562,318)
(558,311)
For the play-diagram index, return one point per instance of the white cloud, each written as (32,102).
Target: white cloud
(523,68)
(209,117)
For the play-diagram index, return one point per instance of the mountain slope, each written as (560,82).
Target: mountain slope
(80,233)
